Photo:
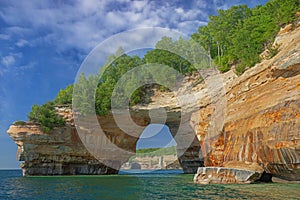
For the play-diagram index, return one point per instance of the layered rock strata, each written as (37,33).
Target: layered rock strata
(262,120)
(60,153)
(63,151)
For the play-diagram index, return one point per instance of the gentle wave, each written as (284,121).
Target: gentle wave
(158,185)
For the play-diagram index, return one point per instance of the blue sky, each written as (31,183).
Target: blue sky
(43,43)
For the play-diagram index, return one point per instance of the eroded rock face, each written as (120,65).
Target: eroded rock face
(59,152)
(63,151)
(262,120)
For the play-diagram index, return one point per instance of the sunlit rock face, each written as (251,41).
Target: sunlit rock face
(262,121)
(60,152)
(63,151)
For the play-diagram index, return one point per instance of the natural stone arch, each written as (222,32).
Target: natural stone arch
(191,157)
(188,146)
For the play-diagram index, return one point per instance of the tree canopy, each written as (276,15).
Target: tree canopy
(236,36)
(46,116)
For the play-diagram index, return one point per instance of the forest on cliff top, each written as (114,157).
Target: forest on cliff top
(234,37)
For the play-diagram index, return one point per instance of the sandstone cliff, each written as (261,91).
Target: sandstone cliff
(262,121)
(59,152)
(222,121)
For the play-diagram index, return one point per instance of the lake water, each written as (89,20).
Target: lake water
(160,185)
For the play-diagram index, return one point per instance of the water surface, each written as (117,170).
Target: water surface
(160,185)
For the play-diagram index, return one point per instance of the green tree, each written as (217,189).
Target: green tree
(235,36)
(171,53)
(64,96)
(238,35)
(112,72)
(84,93)
(46,116)
(283,11)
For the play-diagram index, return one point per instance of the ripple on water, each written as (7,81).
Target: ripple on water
(141,186)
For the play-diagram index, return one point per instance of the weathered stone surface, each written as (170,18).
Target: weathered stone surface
(62,152)
(262,119)
(222,175)
(58,153)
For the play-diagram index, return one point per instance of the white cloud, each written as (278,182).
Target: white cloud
(8,60)
(138,6)
(179,10)
(83,24)
(22,43)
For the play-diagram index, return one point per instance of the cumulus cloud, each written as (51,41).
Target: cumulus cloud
(81,25)
(11,63)
(8,60)
(22,43)
(11,59)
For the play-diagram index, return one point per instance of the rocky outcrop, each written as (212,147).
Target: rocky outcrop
(60,153)
(253,118)
(233,172)
(63,151)
(217,175)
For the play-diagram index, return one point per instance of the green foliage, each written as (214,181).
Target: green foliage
(117,66)
(20,123)
(46,116)
(84,93)
(236,36)
(283,11)
(174,54)
(151,152)
(156,151)
(240,34)
(64,96)
(240,68)
(224,68)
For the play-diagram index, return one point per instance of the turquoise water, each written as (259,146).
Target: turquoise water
(134,186)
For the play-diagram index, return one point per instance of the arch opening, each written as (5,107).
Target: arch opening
(156,152)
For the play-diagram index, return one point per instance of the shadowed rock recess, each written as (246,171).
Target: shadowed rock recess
(261,127)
